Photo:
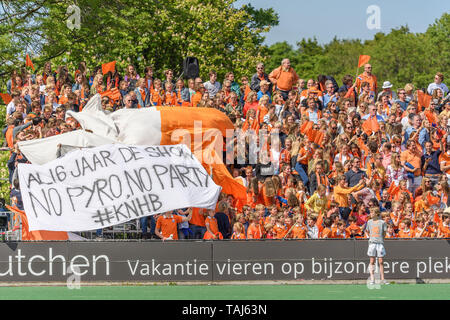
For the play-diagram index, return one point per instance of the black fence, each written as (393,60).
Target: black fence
(157,261)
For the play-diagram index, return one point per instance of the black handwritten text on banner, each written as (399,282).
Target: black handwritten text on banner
(108,185)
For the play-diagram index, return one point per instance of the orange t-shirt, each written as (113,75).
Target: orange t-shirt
(326,233)
(168,225)
(171,99)
(372,80)
(238,236)
(444,230)
(254,232)
(156,98)
(445,157)
(262,112)
(197,217)
(196,98)
(406,234)
(62,100)
(279,231)
(212,222)
(298,232)
(412,158)
(335,235)
(425,234)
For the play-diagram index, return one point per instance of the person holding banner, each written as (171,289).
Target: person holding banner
(167,223)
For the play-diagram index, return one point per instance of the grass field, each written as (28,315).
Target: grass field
(229,292)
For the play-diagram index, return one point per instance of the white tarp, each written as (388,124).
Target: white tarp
(93,118)
(112,184)
(41,151)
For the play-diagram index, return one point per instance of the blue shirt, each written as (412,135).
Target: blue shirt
(327,99)
(260,94)
(402,104)
(424,136)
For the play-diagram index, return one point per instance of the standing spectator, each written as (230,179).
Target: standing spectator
(402,99)
(367,76)
(131,77)
(410,159)
(430,163)
(355,175)
(234,85)
(223,219)
(213,86)
(438,83)
(166,225)
(183,96)
(148,71)
(348,89)
(169,78)
(11,107)
(258,77)
(284,78)
(142,94)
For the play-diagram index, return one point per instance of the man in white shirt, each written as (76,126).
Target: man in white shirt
(212,85)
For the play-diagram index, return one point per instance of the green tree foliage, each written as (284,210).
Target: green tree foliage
(158,33)
(400,56)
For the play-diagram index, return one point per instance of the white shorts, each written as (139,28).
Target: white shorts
(376,250)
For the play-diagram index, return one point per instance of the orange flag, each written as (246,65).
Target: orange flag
(110,66)
(6,98)
(113,94)
(37,235)
(29,63)
(371,125)
(363,59)
(423,99)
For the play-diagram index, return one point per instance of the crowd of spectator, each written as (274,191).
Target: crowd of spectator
(345,150)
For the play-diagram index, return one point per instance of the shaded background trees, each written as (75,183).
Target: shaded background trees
(400,56)
(221,36)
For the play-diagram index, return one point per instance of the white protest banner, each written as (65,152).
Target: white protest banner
(99,187)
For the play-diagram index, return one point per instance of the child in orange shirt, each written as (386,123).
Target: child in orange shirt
(279,229)
(421,230)
(269,231)
(390,232)
(238,231)
(339,232)
(326,232)
(263,108)
(157,94)
(405,229)
(170,98)
(273,212)
(254,230)
(212,230)
(299,229)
